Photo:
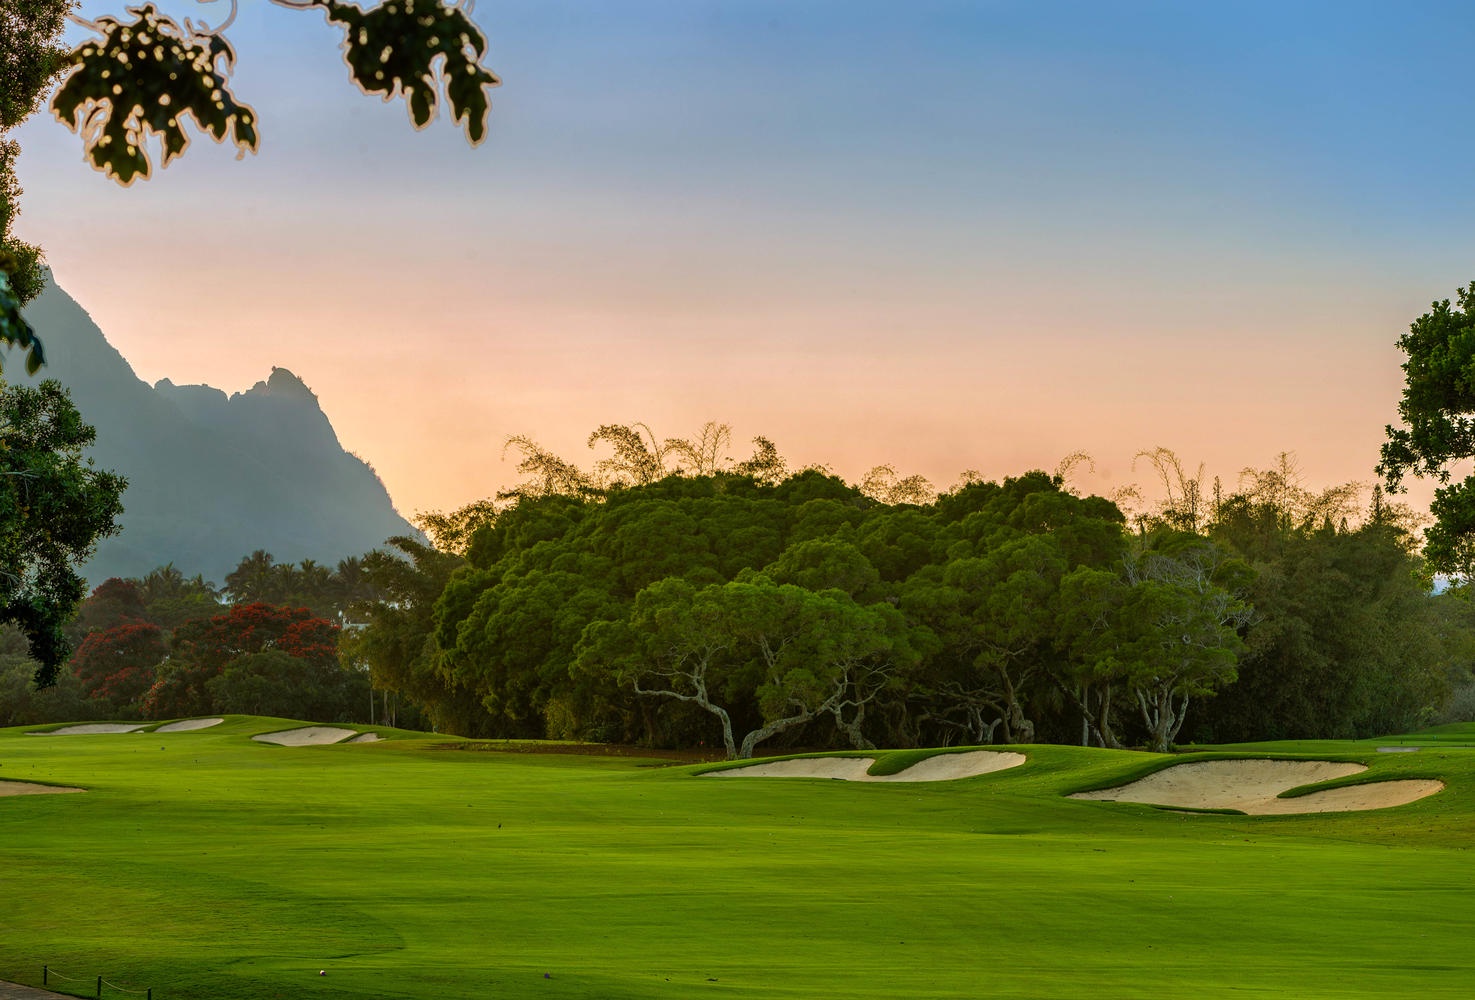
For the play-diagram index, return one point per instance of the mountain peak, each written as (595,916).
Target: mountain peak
(282,384)
(211,476)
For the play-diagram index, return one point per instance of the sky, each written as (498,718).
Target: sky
(941,236)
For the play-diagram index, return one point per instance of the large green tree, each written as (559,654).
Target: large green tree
(54,506)
(395,639)
(994,616)
(274,682)
(797,655)
(1151,635)
(549,563)
(1347,642)
(991,594)
(1177,630)
(31,56)
(23,704)
(1346,639)
(1438,413)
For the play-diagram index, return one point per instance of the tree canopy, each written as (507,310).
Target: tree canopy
(258,659)
(54,507)
(1438,413)
(600,605)
(798,606)
(750,611)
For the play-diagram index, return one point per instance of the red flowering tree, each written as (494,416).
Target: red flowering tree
(118,665)
(204,649)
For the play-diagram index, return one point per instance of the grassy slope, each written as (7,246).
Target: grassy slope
(207,866)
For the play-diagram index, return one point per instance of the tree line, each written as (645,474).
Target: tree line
(751,606)
(673,596)
(166,645)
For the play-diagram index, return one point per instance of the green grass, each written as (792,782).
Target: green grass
(205,865)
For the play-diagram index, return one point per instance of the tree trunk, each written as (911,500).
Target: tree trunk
(1159,717)
(982,732)
(701,699)
(1017,727)
(727,740)
(1180,714)
(1104,732)
(852,728)
(768,729)
(1095,725)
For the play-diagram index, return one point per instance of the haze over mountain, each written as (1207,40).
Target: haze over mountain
(211,477)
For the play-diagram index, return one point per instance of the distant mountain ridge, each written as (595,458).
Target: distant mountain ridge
(211,477)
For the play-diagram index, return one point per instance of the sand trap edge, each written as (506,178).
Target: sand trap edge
(8,788)
(1257,787)
(187,725)
(1364,796)
(94,729)
(306,736)
(938,767)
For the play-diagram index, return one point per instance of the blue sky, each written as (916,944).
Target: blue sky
(942,235)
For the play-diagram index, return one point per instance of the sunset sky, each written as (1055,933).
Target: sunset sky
(937,235)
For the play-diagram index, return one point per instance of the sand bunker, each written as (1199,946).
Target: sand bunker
(27,788)
(1252,786)
(188,725)
(93,728)
(308,736)
(942,767)
(365,738)
(846,768)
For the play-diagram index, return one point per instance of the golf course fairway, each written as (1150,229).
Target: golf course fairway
(205,865)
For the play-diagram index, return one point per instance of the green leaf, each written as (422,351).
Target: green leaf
(395,49)
(144,78)
(15,331)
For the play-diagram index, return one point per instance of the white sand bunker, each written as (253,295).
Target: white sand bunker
(1252,786)
(28,788)
(308,736)
(93,728)
(188,725)
(365,738)
(942,767)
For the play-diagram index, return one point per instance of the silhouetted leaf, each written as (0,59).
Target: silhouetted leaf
(394,49)
(15,331)
(144,78)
